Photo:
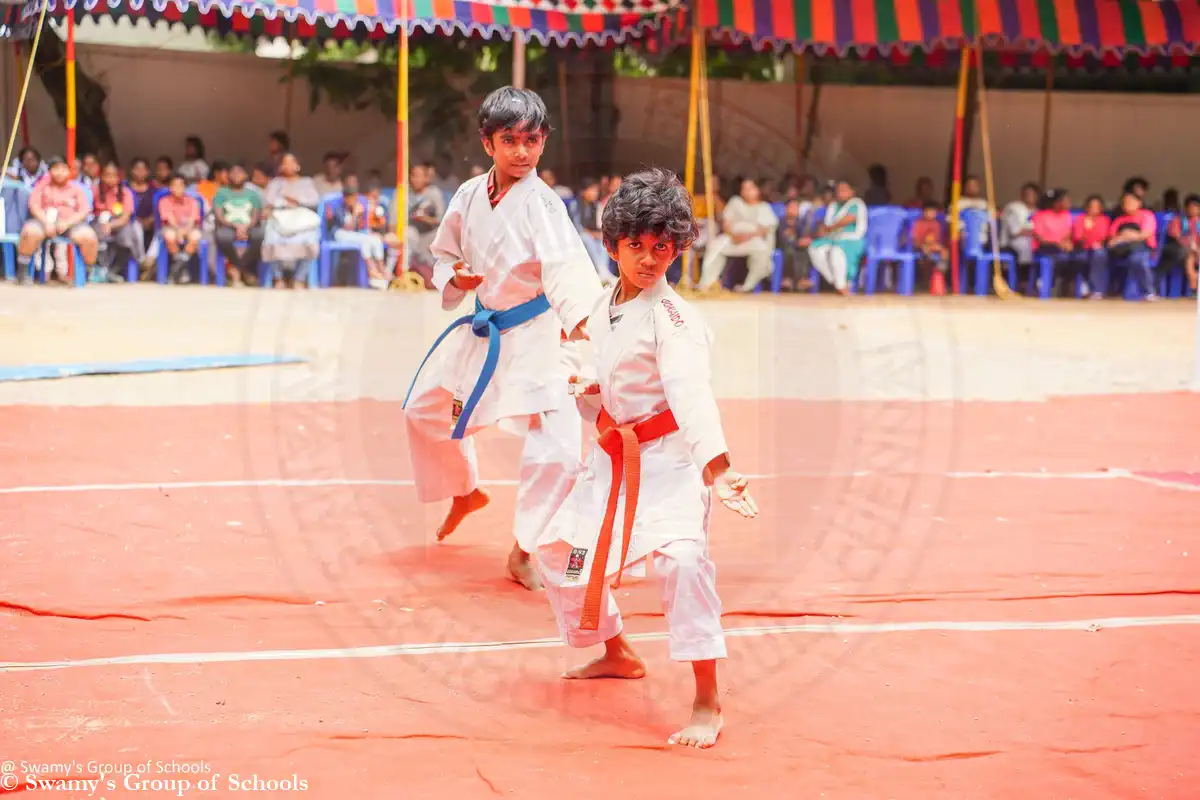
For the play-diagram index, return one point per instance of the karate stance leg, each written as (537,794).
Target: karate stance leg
(693,611)
(549,463)
(619,659)
(443,468)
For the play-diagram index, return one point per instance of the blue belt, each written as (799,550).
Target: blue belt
(489,323)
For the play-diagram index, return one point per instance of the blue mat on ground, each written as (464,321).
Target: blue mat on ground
(42,372)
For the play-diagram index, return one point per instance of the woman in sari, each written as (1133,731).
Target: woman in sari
(292,240)
(841,239)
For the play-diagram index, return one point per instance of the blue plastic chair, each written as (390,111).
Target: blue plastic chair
(164,258)
(332,203)
(14,195)
(887,234)
(974,223)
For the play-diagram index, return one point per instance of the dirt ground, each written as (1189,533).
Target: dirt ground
(361,344)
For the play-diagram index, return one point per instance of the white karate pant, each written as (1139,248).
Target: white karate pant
(830,261)
(688,580)
(444,468)
(758,261)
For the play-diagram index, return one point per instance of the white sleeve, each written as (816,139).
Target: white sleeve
(447,250)
(684,350)
(569,278)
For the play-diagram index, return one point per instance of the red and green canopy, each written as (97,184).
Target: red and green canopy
(562,22)
(1072,26)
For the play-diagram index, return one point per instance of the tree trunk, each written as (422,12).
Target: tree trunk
(93,134)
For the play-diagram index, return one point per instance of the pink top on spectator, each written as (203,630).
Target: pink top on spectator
(179,211)
(1090,233)
(1143,218)
(1051,227)
(69,198)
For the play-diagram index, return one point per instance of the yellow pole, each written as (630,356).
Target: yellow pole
(12,131)
(706,141)
(689,170)
(402,137)
(999,284)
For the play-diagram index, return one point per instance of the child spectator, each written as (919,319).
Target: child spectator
(1089,234)
(194,168)
(180,215)
(58,206)
(1189,236)
(928,239)
(143,190)
(119,236)
(237,217)
(164,168)
(1131,239)
(348,221)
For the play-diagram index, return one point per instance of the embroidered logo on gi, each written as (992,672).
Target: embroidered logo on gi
(575,563)
(673,313)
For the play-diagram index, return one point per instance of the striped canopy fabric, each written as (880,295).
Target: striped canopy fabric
(561,22)
(1072,26)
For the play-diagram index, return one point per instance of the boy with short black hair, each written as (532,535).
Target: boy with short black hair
(507,236)
(660,453)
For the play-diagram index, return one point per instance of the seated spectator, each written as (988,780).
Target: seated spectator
(119,236)
(1131,239)
(348,221)
(1053,238)
(57,207)
(878,193)
(1173,251)
(922,194)
(279,144)
(788,240)
(164,168)
(1016,227)
(972,197)
(841,239)
(748,226)
(194,168)
(28,167)
(330,179)
(293,234)
(587,222)
(1089,234)
(260,178)
(426,207)
(928,239)
(89,174)
(1189,235)
(180,231)
(237,217)
(143,189)
(208,187)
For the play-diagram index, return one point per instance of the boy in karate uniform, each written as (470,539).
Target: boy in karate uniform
(507,236)
(660,453)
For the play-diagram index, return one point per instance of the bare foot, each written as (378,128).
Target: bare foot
(619,661)
(521,570)
(459,508)
(701,731)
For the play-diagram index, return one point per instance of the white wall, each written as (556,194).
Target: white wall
(157,97)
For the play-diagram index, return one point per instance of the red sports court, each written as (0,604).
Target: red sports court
(975,574)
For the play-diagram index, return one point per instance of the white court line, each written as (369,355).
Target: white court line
(444,648)
(287,483)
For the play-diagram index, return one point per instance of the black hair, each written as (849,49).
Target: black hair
(28,150)
(652,201)
(1191,198)
(175,176)
(165,160)
(139,160)
(1133,183)
(197,143)
(1093,198)
(1031,187)
(282,138)
(218,166)
(928,204)
(264,168)
(516,109)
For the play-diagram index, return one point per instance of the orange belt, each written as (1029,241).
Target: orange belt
(623,445)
